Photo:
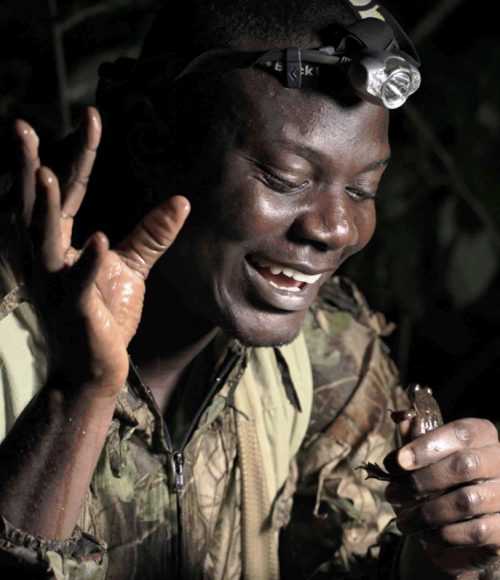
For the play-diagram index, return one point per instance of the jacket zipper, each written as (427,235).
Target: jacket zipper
(178,459)
(178,455)
(177,465)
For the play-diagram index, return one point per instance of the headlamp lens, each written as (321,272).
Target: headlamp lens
(384,80)
(396,89)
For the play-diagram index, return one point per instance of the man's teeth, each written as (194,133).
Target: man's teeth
(290,272)
(289,288)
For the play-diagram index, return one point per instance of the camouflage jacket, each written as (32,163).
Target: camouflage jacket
(262,482)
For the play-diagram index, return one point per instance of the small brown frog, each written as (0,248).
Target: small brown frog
(424,415)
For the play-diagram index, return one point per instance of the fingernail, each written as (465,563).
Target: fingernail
(30,131)
(35,136)
(405,458)
(95,121)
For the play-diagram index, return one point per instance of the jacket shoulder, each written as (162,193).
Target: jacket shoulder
(354,377)
(340,294)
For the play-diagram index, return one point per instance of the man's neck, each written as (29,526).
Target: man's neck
(168,339)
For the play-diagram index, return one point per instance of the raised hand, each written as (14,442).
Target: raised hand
(89,300)
(450,498)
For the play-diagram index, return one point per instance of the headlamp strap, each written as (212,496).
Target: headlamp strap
(293,68)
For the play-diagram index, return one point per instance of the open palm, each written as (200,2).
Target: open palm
(89,300)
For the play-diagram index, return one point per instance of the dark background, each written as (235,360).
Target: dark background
(433,265)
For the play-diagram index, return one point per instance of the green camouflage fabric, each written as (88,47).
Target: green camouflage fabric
(321,417)
(341,526)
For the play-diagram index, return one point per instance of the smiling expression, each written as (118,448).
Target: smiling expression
(282,199)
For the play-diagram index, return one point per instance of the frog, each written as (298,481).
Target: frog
(424,415)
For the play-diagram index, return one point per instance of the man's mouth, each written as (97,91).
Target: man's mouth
(283,277)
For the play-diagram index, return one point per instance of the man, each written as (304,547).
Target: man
(280,181)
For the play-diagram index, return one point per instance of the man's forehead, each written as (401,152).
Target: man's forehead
(297,128)
(270,106)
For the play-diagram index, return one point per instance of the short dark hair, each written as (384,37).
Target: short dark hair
(194,26)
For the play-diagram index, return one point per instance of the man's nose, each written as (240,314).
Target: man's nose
(328,221)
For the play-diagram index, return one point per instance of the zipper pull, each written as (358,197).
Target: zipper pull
(179,470)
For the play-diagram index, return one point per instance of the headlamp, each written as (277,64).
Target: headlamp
(387,80)
(377,68)
(368,51)
(378,58)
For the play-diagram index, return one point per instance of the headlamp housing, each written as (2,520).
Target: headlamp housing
(384,79)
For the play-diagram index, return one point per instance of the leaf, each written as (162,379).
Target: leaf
(472,267)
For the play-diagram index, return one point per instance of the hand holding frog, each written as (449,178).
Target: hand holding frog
(449,495)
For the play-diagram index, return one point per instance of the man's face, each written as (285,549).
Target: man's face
(283,198)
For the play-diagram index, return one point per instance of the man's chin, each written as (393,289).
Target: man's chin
(269,335)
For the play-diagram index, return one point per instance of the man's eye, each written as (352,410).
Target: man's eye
(357,194)
(282,185)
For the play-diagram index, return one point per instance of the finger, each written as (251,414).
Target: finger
(438,444)
(482,531)
(154,234)
(404,428)
(45,228)
(85,270)
(466,466)
(456,561)
(461,504)
(29,162)
(76,185)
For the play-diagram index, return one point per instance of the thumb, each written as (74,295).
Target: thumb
(154,234)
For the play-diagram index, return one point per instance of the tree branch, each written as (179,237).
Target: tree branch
(84,14)
(88,12)
(61,71)
(454,173)
(426,26)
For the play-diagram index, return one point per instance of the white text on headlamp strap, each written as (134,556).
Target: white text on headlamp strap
(305,69)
